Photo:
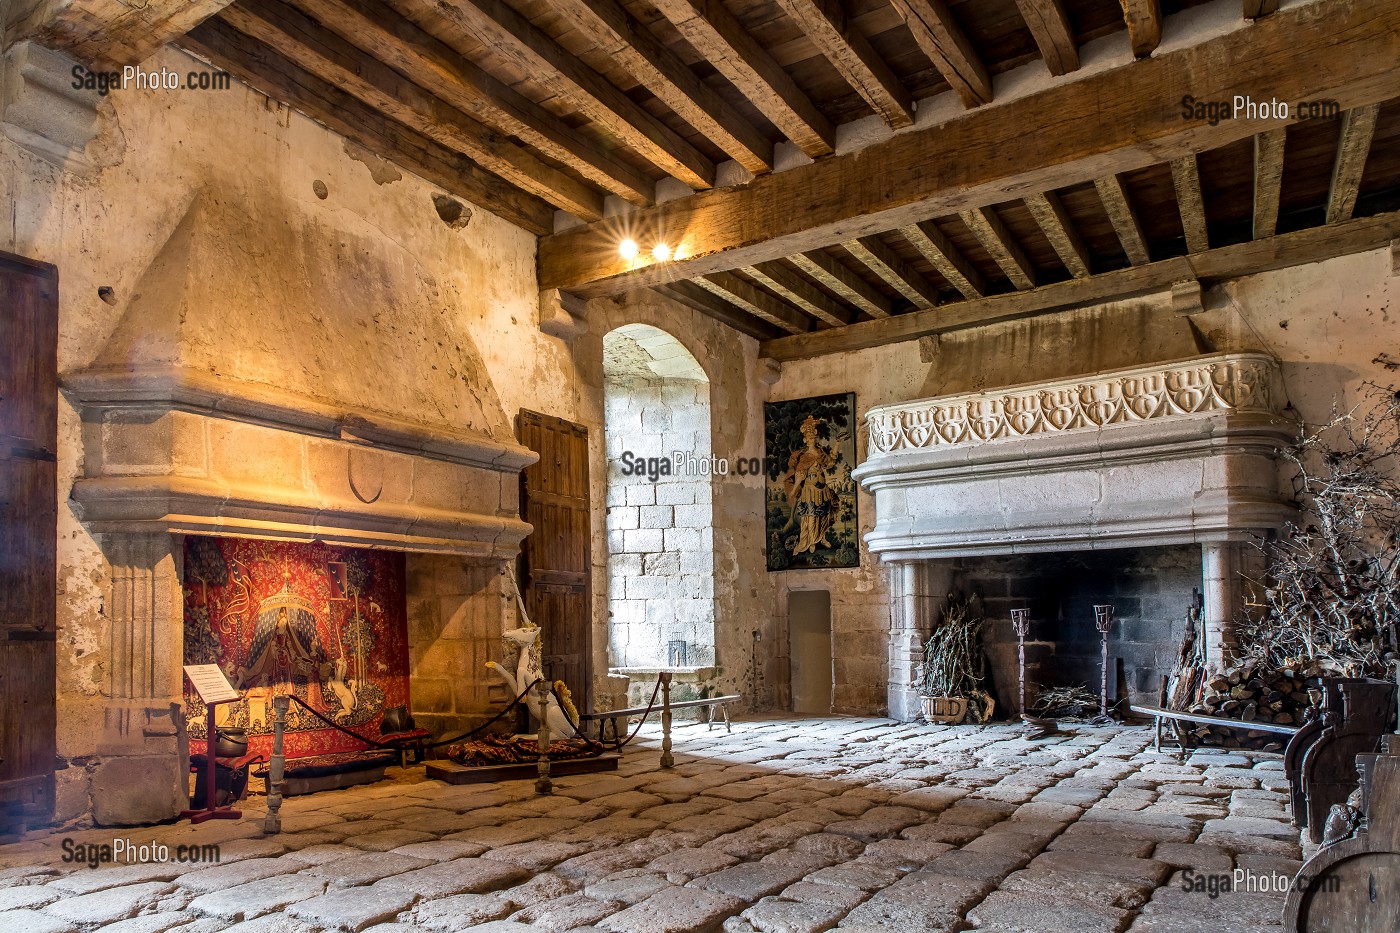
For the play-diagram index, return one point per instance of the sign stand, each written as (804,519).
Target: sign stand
(214,689)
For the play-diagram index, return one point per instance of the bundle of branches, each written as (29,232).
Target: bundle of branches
(1331,592)
(1069,702)
(953,664)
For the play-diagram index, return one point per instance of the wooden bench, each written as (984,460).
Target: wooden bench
(612,717)
(1183,739)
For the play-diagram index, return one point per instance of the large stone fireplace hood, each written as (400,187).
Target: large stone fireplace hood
(1174,453)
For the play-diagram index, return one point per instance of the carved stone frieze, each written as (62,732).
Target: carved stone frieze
(1221,383)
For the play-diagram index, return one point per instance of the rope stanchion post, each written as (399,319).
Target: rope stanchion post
(667,759)
(276,769)
(543,785)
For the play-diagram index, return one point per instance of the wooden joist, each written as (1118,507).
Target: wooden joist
(945,257)
(1050,214)
(513,36)
(335,61)
(843,282)
(106,33)
(1186,180)
(712,306)
(658,69)
(786,282)
(1124,219)
(756,301)
(1144,19)
(875,255)
(1118,120)
(1053,34)
(1001,245)
(1358,126)
(1268,180)
(940,38)
(826,24)
(714,32)
(1254,256)
(260,68)
(433,65)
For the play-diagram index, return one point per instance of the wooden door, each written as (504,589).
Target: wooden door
(28,539)
(556,562)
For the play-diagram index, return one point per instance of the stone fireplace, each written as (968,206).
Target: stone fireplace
(1132,486)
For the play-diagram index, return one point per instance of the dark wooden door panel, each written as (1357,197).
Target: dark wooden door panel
(556,560)
(28,539)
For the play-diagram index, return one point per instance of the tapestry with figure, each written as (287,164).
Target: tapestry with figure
(324,624)
(809,452)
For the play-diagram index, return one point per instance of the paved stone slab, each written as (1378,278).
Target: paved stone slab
(1146,871)
(460,912)
(247,901)
(684,864)
(630,886)
(535,856)
(107,906)
(354,908)
(567,913)
(864,876)
(223,877)
(366,868)
(774,915)
(977,866)
(675,910)
(32,921)
(751,880)
(460,876)
(1042,913)
(24,896)
(441,850)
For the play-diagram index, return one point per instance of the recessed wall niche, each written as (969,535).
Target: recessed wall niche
(324,624)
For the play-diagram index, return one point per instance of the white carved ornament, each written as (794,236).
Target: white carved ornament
(1241,383)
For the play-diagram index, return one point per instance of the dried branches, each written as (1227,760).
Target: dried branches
(953,664)
(1331,593)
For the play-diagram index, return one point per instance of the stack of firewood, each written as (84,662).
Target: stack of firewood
(1251,692)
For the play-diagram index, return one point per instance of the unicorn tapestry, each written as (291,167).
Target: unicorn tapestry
(324,624)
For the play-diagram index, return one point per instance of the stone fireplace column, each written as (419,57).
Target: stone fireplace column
(142,771)
(1221,567)
(917,591)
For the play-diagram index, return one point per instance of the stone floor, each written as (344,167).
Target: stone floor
(786,825)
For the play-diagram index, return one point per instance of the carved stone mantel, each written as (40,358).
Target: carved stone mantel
(169,449)
(1180,452)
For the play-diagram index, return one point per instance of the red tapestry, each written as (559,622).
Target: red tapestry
(325,624)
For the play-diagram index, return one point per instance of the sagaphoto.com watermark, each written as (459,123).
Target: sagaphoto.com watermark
(1245,107)
(1248,881)
(121,851)
(133,78)
(686,463)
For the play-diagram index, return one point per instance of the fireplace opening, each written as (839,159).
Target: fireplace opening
(1151,590)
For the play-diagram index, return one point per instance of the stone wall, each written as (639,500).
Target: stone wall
(659,521)
(1330,324)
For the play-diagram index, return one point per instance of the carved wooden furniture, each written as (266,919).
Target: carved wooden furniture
(1354,885)
(1320,760)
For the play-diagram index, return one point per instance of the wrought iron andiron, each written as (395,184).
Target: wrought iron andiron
(1103,621)
(1021,625)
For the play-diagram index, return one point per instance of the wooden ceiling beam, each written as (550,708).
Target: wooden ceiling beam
(841,281)
(1144,19)
(264,71)
(826,24)
(1354,145)
(323,53)
(1001,245)
(756,301)
(1117,120)
(1268,180)
(404,46)
(657,68)
(1053,34)
(1050,214)
(107,32)
(784,280)
(714,32)
(1222,263)
(945,257)
(1253,9)
(943,41)
(510,34)
(872,253)
(1125,222)
(712,306)
(1186,180)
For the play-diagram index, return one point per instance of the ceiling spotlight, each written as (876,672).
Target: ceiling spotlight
(661,252)
(628,249)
